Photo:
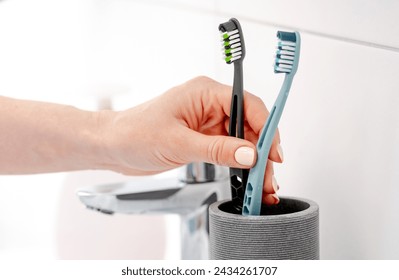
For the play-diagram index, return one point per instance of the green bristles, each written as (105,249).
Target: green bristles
(231,43)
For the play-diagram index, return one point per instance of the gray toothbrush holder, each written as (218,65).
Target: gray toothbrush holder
(287,231)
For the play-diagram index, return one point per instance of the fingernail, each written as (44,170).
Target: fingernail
(244,156)
(276,199)
(274,184)
(280,152)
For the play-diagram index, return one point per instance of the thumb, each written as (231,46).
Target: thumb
(221,150)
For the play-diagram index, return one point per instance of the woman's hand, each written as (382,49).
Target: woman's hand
(188,123)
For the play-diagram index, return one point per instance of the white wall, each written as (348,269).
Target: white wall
(42,57)
(339,128)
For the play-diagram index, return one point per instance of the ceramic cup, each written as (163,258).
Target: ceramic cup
(287,231)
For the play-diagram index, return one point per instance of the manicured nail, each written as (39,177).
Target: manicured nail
(245,156)
(274,184)
(280,152)
(276,199)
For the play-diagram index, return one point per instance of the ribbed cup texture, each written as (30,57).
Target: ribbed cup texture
(289,231)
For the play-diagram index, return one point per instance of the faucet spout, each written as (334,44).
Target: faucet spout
(188,196)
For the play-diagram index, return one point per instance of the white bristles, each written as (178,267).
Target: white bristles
(290,62)
(235,58)
(234,41)
(235,50)
(282,69)
(284,66)
(284,59)
(287,43)
(234,37)
(287,57)
(236,54)
(288,48)
(233,54)
(235,45)
(230,35)
(235,31)
(284,52)
(231,50)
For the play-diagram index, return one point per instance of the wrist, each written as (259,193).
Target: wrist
(100,139)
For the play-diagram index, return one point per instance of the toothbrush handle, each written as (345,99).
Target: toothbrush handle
(253,194)
(238,177)
(236,125)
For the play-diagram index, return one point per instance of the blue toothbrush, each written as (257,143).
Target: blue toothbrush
(287,60)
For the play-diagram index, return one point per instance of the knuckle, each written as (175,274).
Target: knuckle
(216,151)
(202,79)
(258,99)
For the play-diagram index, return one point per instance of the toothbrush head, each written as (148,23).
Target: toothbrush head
(233,46)
(287,56)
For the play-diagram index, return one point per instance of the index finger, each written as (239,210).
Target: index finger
(255,112)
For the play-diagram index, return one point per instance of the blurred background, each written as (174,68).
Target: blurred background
(339,130)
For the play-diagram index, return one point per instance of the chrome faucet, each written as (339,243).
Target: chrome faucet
(188,196)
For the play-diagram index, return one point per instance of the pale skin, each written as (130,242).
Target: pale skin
(188,123)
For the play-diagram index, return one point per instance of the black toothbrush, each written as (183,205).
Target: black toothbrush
(234,52)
